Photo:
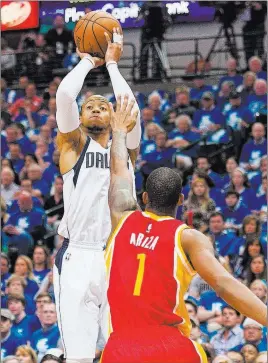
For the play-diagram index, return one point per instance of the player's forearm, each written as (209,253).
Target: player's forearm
(72,83)
(241,298)
(121,87)
(67,110)
(119,153)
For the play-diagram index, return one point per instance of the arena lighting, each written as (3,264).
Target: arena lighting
(131,11)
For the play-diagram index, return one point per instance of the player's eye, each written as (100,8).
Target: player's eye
(103,109)
(89,107)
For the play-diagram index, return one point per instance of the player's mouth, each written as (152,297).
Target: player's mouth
(95,118)
(95,129)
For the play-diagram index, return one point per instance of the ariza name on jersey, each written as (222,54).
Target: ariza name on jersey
(140,240)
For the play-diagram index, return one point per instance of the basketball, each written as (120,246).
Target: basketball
(89,32)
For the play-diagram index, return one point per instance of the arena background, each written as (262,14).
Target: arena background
(224,148)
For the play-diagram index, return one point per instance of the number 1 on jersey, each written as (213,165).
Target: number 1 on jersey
(137,289)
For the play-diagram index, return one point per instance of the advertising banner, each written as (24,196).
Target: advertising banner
(125,11)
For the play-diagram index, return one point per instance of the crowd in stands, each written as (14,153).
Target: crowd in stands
(225,197)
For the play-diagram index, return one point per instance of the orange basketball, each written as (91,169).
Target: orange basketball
(89,32)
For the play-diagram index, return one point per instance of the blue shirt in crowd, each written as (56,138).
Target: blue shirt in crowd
(236,214)
(253,151)
(237,80)
(196,93)
(10,344)
(227,243)
(235,115)
(42,340)
(23,328)
(40,275)
(256,103)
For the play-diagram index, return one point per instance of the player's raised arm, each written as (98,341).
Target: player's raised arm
(120,195)
(120,86)
(70,138)
(201,254)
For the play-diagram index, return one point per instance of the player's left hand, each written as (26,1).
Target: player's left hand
(115,48)
(124,118)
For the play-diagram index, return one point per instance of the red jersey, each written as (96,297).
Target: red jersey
(148,273)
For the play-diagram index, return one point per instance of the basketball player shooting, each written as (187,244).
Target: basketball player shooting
(83,140)
(151,259)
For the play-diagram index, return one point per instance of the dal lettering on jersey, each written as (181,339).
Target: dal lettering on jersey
(98,160)
(140,240)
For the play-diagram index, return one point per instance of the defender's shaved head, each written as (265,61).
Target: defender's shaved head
(96,98)
(163,187)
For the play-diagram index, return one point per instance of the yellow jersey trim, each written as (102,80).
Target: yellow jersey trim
(180,251)
(155,217)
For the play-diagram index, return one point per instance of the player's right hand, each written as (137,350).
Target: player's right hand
(115,49)
(124,118)
(97,61)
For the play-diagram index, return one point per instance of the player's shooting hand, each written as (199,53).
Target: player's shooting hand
(124,118)
(115,48)
(97,61)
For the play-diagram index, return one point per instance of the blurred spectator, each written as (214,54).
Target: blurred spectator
(5,265)
(232,75)
(204,165)
(253,334)
(15,156)
(231,334)
(42,153)
(234,211)
(16,285)
(254,29)
(231,165)
(50,93)
(60,39)
(8,60)
(239,183)
(41,263)
(22,322)
(6,163)
(199,203)
(224,93)
(162,156)
(9,340)
(55,200)
(255,66)
(247,88)
(237,115)
(250,352)
(154,103)
(182,105)
(256,270)
(29,159)
(235,357)
(24,268)
(35,175)
(52,171)
(257,102)
(30,95)
(199,87)
(47,337)
(26,354)
(8,187)
(8,94)
(25,226)
(181,137)
(210,119)
(23,83)
(225,243)
(254,149)
(259,288)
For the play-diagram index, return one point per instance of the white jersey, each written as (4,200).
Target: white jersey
(86,219)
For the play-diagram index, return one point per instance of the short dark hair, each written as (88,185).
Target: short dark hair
(230,308)
(232,192)
(16,297)
(164,187)
(217,214)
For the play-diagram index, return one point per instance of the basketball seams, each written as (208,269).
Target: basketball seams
(82,23)
(97,39)
(84,35)
(103,17)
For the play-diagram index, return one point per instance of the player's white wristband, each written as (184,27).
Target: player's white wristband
(90,59)
(110,62)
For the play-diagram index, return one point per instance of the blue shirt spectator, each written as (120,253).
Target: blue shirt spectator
(232,76)
(48,336)
(9,340)
(162,156)
(199,88)
(234,211)
(210,119)
(225,243)
(254,149)
(236,114)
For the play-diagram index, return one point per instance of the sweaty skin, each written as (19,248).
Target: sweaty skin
(195,244)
